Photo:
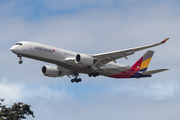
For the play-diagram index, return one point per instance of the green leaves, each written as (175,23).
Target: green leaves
(16,111)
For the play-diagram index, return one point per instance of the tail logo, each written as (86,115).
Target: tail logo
(140,66)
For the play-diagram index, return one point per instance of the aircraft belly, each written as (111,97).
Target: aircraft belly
(109,69)
(77,68)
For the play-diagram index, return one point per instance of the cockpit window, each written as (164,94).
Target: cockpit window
(18,44)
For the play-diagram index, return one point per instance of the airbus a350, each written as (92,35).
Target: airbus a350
(72,63)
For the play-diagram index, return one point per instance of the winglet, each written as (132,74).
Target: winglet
(165,40)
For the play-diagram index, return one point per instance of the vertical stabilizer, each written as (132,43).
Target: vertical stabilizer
(143,63)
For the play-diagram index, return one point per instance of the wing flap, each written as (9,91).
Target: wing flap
(152,71)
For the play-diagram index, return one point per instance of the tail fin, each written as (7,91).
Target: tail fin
(143,63)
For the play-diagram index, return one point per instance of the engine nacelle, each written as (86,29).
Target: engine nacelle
(50,71)
(84,59)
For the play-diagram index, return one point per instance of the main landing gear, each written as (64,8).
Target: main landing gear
(94,74)
(20,57)
(76,80)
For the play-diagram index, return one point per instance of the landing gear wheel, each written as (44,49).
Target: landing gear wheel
(94,74)
(90,74)
(72,80)
(76,80)
(80,80)
(20,62)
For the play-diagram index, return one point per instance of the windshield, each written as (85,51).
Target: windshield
(18,44)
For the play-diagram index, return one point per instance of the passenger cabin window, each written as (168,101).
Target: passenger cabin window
(18,44)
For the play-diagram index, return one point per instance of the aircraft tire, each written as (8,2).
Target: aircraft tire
(76,80)
(72,80)
(80,80)
(94,74)
(20,62)
(90,74)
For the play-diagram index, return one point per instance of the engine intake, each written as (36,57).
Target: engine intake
(50,71)
(84,59)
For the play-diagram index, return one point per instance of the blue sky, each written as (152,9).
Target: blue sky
(90,26)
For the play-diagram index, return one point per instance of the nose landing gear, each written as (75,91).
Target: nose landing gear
(20,57)
(20,62)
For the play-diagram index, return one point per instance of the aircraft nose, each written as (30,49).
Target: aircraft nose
(13,49)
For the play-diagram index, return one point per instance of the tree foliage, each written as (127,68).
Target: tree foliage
(15,112)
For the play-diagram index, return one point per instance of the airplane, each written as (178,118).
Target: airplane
(72,64)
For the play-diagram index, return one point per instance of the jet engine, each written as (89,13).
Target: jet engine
(50,71)
(84,59)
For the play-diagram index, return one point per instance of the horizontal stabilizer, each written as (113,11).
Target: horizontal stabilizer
(152,71)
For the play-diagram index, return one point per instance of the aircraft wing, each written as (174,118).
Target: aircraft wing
(104,58)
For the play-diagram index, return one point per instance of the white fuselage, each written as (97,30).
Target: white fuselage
(63,58)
